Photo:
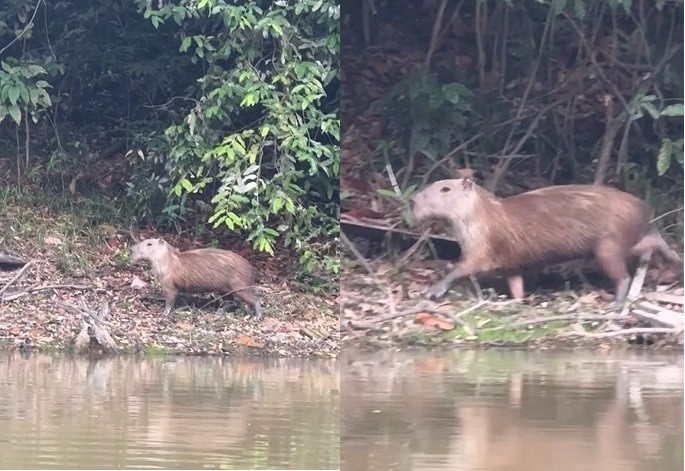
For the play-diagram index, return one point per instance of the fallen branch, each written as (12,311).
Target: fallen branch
(658,315)
(20,294)
(619,333)
(570,317)
(665,298)
(357,254)
(14,279)
(93,330)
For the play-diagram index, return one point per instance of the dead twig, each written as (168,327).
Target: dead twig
(357,254)
(14,279)
(619,333)
(569,317)
(20,294)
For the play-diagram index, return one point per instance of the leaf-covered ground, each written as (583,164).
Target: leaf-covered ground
(74,261)
(388,309)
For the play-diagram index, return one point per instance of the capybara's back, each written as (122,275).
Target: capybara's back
(565,222)
(214,270)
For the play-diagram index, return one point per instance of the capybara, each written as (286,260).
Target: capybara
(544,226)
(198,271)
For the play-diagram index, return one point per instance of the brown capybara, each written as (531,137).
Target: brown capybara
(544,226)
(198,271)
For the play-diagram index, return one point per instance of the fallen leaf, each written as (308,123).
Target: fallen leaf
(589,298)
(185,326)
(248,341)
(52,240)
(113,244)
(137,283)
(430,320)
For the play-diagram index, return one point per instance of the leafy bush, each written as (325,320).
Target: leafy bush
(260,141)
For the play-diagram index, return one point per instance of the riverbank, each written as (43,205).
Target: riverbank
(386,309)
(76,259)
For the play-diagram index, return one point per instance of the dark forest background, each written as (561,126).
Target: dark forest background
(521,94)
(204,117)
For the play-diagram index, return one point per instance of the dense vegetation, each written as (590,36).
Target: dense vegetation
(202,114)
(528,93)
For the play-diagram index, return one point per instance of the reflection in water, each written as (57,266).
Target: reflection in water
(176,412)
(511,411)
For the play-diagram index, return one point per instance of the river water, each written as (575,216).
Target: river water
(512,411)
(178,412)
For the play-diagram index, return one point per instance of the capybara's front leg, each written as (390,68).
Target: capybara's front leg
(463,268)
(170,295)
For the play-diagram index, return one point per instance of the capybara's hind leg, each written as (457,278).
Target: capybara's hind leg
(652,242)
(249,296)
(612,259)
(516,286)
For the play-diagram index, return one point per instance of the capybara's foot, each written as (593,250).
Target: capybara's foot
(436,291)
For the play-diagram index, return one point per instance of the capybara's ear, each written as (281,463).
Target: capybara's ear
(466,183)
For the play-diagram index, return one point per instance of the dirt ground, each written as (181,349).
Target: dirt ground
(387,308)
(71,264)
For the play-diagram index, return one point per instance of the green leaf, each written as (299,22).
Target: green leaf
(13,95)
(435,101)
(34,97)
(276,205)
(580,9)
(186,44)
(15,113)
(558,6)
(249,100)
(651,109)
(663,160)
(185,183)
(389,193)
(673,110)
(452,92)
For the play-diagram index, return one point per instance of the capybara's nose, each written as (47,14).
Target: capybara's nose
(412,203)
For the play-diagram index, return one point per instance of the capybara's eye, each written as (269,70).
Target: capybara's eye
(445,189)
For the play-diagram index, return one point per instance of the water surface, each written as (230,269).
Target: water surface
(178,412)
(512,411)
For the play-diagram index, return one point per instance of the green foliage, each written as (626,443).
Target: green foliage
(669,151)
(261,140)
(434,112)
(22,87)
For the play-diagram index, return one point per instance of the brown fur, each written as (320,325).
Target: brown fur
(548,225)
(198,271)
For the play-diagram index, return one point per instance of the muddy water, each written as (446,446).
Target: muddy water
(192,413)
(513,411)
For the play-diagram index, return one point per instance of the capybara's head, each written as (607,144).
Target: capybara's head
(444,200)
(149,249)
